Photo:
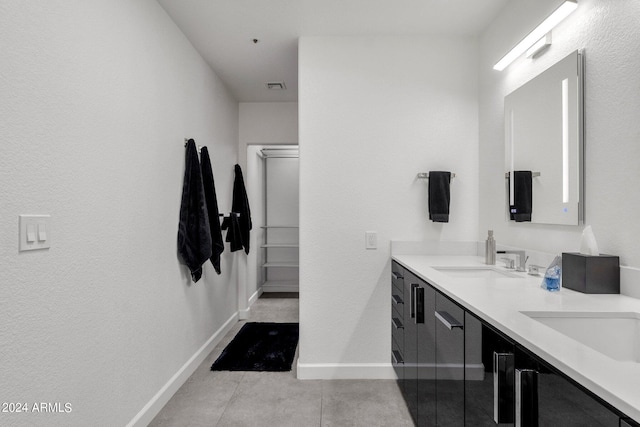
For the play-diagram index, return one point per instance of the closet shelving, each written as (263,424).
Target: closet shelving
(280,232)
(265,246)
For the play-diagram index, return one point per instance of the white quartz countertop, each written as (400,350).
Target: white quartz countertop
(499,302)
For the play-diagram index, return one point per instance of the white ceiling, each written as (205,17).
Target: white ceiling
(223,32)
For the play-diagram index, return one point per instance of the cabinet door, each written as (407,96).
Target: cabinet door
(449,362)
(410,383)
(488,395)
(425,306)
(546,398)
(419,345)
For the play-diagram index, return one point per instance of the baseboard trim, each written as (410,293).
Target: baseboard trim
(245,314)
(267,287)
(255,296)
(345,371)
(153,407)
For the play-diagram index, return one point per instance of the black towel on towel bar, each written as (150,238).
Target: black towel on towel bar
(439,196)
(240,204)
(234,238)
(217,244)
(522,203)
(194,233)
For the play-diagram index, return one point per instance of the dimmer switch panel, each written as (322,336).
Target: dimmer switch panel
(371,240)
(35,232)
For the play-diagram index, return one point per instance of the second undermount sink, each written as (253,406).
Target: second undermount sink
(616,335)
(477,272)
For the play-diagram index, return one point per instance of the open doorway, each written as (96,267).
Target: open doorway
(273,175)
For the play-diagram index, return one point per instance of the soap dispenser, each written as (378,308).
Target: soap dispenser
(490,249)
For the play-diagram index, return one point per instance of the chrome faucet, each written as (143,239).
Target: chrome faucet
(522,259)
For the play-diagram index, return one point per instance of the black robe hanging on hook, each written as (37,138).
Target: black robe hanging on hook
(240,205)
(194,233)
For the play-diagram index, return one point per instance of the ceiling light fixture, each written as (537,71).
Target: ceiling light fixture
(538,33)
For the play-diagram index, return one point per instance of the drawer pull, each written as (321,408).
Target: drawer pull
(397,323)
(397,299)
(503,388)
(526,398)
(397,276)
(448,320)
(397,357)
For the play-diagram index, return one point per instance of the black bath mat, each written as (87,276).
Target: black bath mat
(260,347)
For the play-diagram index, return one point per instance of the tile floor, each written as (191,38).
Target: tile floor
(278,399)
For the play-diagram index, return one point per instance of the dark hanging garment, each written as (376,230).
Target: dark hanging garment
(234,237)
(217,244)
(194,233)
(439,196)
(520,210)
(240,205)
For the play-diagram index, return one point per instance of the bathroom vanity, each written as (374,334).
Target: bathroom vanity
(479,345)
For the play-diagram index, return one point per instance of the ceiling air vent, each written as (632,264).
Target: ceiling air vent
(276,85)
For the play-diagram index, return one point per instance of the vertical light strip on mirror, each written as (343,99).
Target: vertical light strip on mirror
(565,141)
(511,160)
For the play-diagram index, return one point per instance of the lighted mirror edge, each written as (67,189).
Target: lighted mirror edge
(581,136)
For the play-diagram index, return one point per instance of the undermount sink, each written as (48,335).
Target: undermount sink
(477,272)
(616,335)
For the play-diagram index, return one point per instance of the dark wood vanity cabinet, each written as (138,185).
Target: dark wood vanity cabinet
(545,397)
(521,389)
(418,377)
(456,370)
(450,352)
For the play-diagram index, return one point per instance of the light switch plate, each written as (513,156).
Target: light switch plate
(371,240)
(34,232)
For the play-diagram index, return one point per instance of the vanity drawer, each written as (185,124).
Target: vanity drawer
(397,331)
(397,304)
(397,360)
(397,278)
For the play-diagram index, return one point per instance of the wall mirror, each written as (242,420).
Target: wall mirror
(544,134)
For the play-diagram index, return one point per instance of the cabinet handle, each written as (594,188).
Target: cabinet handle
(448,320)
(419,301)
(412,302)
(526,398)
(396,276)
(397,299)
(503,371)
(397,323)
(397,357)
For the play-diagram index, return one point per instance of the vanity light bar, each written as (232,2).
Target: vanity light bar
(539,46)
(538,33)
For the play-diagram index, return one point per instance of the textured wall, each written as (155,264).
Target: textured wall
(95,99)
(373,113)
(608,31)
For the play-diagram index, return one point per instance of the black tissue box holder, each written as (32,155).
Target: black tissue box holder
(591,274)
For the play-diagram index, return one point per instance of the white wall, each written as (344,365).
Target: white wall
(374,112)
(608,31)
(96,98)
(260,123)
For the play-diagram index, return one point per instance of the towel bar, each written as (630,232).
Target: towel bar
(533,174)
(425,175)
